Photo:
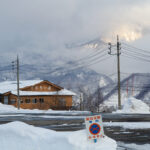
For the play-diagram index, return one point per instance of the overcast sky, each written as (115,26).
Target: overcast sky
(38,30)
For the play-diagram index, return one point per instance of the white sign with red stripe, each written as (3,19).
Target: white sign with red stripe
(94,127)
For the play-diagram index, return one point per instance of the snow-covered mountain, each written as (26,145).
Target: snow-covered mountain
(74,79)
(137,85)
(95,43)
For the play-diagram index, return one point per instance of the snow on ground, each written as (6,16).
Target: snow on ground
(21,136)
(128,125)
(133,105)
(113,101)
(11,109)
(102,82)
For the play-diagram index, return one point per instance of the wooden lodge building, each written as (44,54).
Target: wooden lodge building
(36,94)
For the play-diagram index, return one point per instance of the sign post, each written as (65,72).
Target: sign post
(94,127)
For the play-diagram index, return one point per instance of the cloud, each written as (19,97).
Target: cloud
(38,30)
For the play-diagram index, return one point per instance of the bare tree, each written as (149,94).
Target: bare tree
(91,101)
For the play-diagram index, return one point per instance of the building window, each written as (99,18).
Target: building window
(1,98)
(27,100)
(41,100)
(34,100)
(62,102)
(36,87)
(49,87)
(41,87)
(12,101)
(21,101)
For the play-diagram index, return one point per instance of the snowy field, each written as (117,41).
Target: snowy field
(131,105)
(21,136)
(11,109)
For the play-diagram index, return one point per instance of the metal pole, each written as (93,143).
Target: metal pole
(127,88)
(80,101)
(18,95)
(118,66)
(133,85)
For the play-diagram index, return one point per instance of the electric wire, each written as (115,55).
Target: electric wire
(133,47)
(137,53)
(130,55)
(93,60)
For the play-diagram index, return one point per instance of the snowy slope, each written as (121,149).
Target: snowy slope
(133,105)
(81,77)
(21,136)
(137,85)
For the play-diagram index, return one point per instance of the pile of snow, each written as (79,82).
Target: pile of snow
(11,109)
(112,103)
(20,136)
(133,105)
(128,125)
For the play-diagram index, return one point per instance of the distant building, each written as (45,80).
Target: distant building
(36,94)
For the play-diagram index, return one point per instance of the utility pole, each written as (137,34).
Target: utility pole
(118,68)
(18,94)
(80,101)
(127,89)
(15,65)
(133,85)
(118,65)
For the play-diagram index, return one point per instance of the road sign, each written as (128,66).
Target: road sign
(94,127)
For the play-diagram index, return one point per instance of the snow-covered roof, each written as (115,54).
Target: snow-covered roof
(12,85)
(32,93)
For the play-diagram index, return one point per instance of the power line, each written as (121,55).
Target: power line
(129,55)
(78,62)
(133,47)
(137,53)
(91,61)
(6,68)
(78,67)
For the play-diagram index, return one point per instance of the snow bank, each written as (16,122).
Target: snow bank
(112,103)
(133,105)
(128,125)
(11,109)
(20,136)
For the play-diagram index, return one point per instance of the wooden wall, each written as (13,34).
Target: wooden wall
(50,102)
